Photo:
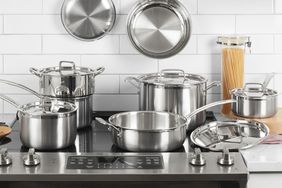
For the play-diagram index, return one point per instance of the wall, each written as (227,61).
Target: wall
(31,35)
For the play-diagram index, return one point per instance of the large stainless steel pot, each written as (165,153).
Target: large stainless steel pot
(175,91)
(84,104)
(255,101)
(67,81)
(46,125)
(145,131)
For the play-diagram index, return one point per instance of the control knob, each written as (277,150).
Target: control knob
(225,159)
(31,159)
(5,159)
(198,159)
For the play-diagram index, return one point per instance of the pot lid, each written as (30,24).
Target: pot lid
(48,108)
(254,91)
(173,78)
(220,135)
(67,70)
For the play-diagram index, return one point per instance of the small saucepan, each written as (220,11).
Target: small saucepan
(46,125)
(151,131)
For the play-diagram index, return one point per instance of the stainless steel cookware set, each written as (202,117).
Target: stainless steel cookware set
(171,101)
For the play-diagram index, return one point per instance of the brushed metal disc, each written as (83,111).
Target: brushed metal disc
(88,19)
(159,29)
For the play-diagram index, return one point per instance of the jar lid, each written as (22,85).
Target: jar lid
(173,78)
(254,91)
(234,40)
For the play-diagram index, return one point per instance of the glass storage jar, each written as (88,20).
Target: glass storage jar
(232,65)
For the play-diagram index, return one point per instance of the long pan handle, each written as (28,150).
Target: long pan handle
(203,108)
(9,100)
(22,87)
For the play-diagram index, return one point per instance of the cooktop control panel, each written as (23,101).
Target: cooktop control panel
(115,162)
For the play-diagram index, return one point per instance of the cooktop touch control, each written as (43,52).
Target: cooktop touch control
(115,162)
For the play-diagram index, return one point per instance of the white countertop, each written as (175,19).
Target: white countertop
(264,158)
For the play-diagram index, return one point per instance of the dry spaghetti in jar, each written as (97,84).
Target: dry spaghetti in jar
(233,57)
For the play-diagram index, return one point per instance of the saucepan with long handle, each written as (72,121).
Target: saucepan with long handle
(46,125)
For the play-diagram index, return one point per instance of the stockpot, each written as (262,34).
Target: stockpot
(67,81)
(254,101)
(151,131)
(174,91)
(46,125)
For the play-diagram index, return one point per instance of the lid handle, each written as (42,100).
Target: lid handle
(66,62)
(173,72)
(253,88)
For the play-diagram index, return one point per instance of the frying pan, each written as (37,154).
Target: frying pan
(159,28)
(88,20)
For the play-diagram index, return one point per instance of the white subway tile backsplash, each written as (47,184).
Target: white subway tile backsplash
(20,7)
(259,24)
(115,102)
(213,24)
(121,64)
(207,44)
(65,44)
(107,84)
(193,63)
(126,46)
(20,64)
(235,7)
(127,5)
(263,64)
(32,35)
(125,86)
(278,6)
(52,6)
(278,44)
(191,47)
(20,44)
(27,80)
(33,24)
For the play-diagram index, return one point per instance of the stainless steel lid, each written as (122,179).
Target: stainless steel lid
(72,70)
(159,28)
(173,78)
(48,108)
(254,91)
(88,19)
(240,134)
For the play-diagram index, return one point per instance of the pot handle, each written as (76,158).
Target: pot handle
(203,108)
(21,86)
(98,71)
(103,122)
(133,81)
(213,84)
(9,100)
(35,72)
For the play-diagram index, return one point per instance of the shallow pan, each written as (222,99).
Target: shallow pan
(88,20)
(220,135)
(159,28)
